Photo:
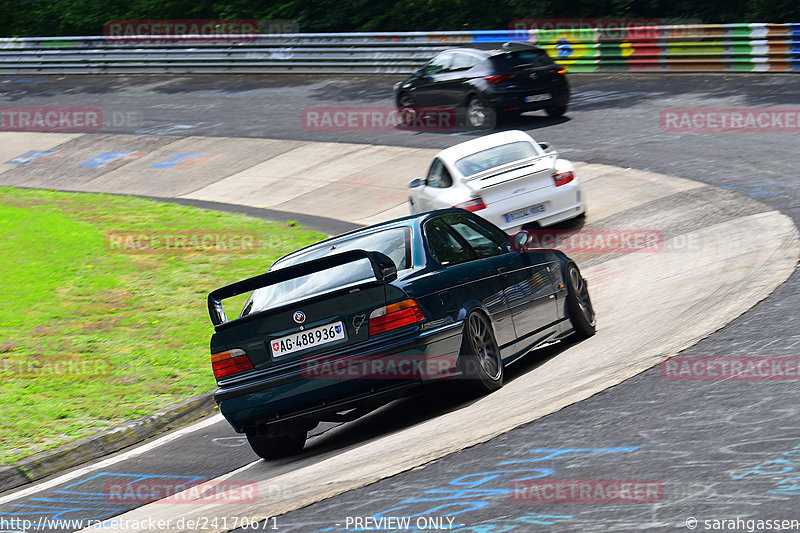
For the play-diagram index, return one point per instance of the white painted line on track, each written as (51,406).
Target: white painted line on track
(114,459)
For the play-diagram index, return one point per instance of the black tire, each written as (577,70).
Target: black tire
(479,116)
(556,111)
(579,305)
(276,447)
(405,118)
(405,110)
(405,100)
(480,356)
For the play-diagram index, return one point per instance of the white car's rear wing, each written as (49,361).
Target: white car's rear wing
(545,163)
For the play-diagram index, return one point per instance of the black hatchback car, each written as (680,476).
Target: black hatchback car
(508,79)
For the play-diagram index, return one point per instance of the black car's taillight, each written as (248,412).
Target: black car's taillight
(498,78)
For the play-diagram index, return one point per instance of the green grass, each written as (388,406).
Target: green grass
(137,321)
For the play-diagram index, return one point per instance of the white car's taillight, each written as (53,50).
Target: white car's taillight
(473,205)
(562,178)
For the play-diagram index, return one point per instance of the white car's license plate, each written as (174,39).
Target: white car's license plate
(310,338)
(537,97)
(524,213)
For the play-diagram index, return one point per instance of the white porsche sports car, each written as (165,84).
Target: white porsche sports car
(507,178)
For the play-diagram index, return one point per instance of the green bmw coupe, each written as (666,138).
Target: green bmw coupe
(335,329)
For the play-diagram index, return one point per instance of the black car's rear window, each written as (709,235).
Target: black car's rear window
(522,59)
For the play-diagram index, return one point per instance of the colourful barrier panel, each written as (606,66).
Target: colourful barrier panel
(758,47)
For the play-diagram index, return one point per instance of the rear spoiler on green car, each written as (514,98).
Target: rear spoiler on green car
(383,267)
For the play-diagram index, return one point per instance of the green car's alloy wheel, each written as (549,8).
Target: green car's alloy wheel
(579,305)
(275,447)
(480,355)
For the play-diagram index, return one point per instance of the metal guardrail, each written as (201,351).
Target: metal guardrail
(688,48)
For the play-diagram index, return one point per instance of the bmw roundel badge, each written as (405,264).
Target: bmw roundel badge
(299,317)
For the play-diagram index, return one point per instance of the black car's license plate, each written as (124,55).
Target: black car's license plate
(537,98)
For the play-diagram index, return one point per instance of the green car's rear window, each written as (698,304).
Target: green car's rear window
(393,242)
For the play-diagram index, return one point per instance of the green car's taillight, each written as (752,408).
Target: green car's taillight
(230,362)
(395,316)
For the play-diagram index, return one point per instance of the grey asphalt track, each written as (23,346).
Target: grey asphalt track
(720,449)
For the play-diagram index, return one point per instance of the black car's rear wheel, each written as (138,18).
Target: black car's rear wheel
(479,115)
(276,447)
(406,109)
(405,100)
(480,355)
(579,305)
(556,111)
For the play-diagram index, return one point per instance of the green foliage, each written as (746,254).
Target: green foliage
(134,325)
(86,17)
